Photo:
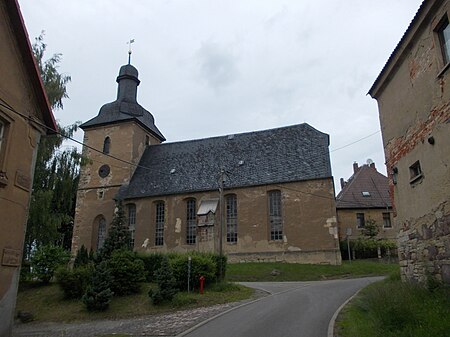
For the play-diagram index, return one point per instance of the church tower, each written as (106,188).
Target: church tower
(114,142)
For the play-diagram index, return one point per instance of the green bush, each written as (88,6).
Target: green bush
(46,260)
(220,262)
(201,265)
(127,272)
(152,262)
(166,284)
(367,248)
(98,294)
(74,282)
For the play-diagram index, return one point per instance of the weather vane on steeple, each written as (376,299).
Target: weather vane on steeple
(129,50)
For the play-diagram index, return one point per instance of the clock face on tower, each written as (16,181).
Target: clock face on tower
(103,171)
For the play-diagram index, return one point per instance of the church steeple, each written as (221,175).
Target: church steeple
(125,107)
(128,83)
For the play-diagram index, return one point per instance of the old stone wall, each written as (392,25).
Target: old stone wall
(424,246)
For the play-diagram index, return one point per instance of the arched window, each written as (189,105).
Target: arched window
(132,222)
(231,213)
(275,218)
(101,234)
(159,223)
(191,222)
(106,145)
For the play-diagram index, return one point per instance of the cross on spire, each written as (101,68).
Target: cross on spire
(129,50)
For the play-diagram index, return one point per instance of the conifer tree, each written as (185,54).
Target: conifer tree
(98,295)
(119,236)
(166,283)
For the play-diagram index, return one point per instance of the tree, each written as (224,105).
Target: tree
(119,236)
(54,82)
(56,175)
(370,229)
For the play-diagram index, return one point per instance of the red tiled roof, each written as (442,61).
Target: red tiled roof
(366,179)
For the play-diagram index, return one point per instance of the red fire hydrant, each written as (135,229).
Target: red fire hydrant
(202,283)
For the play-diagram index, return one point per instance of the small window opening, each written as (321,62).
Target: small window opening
(443,32)
(366,194)
(106,145)
(147,140)
(415,172)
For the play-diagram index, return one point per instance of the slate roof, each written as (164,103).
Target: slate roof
(125,107)
(366,179)
(287,154)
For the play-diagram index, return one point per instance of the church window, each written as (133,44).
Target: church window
(159,223)
(231,213)
(147,140)
(191,222)
(132,222)
(101,235)
(275,219)
(106,145)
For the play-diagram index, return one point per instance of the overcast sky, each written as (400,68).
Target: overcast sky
(211,68)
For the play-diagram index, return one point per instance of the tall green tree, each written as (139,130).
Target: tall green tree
(119,237)
(52,206)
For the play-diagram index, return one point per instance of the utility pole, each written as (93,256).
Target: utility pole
(221,208)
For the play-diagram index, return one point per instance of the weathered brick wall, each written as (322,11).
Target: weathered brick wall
(413,100)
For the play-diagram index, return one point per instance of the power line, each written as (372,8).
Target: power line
(6,105)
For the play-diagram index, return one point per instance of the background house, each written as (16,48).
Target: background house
(412,93)
(24,116)
(365,196)
(278,193)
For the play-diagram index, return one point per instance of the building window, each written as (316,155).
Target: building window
(231,204)
(147,140)
(159,224)
(275,219)
(106,145)
(415,172)
(365,194)
(360,222)
(191,222)
(443,32)
(101,235)
(132,222)
(387,220)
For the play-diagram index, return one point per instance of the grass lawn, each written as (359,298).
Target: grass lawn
(391,308)
(306,272)
(47,303)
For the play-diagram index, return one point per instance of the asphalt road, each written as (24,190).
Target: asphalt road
(300,309)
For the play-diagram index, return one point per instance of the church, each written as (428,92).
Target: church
(257,196)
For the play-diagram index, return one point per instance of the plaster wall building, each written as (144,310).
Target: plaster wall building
(412,92)
(365,196)
(268,195)
(24,116)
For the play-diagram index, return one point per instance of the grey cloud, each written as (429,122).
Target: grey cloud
(217,66)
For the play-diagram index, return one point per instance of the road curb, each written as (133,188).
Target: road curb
(335,315)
